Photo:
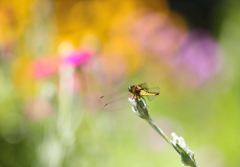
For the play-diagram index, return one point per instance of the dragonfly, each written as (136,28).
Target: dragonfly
(136,91)
(141,90)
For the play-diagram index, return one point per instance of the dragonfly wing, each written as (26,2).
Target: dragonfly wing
(144,85)
(113,100)
(149,89)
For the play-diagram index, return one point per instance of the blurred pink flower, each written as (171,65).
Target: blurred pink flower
(158,35)
(47,66)
(44,67)
(78,58)
(38,109)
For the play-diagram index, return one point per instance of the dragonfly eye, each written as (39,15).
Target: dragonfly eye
(130,89)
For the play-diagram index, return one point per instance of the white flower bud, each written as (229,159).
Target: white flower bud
(186,154)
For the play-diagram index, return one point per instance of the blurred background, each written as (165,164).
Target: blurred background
(58,57)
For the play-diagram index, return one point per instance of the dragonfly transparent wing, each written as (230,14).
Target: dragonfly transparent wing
(144,86)
(114,98)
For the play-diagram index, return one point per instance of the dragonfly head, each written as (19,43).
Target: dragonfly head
(130,89)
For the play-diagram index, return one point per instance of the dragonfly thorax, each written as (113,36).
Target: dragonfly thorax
(135,90)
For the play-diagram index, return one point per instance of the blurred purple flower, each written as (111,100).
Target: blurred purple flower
(198,56)
(78,58)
